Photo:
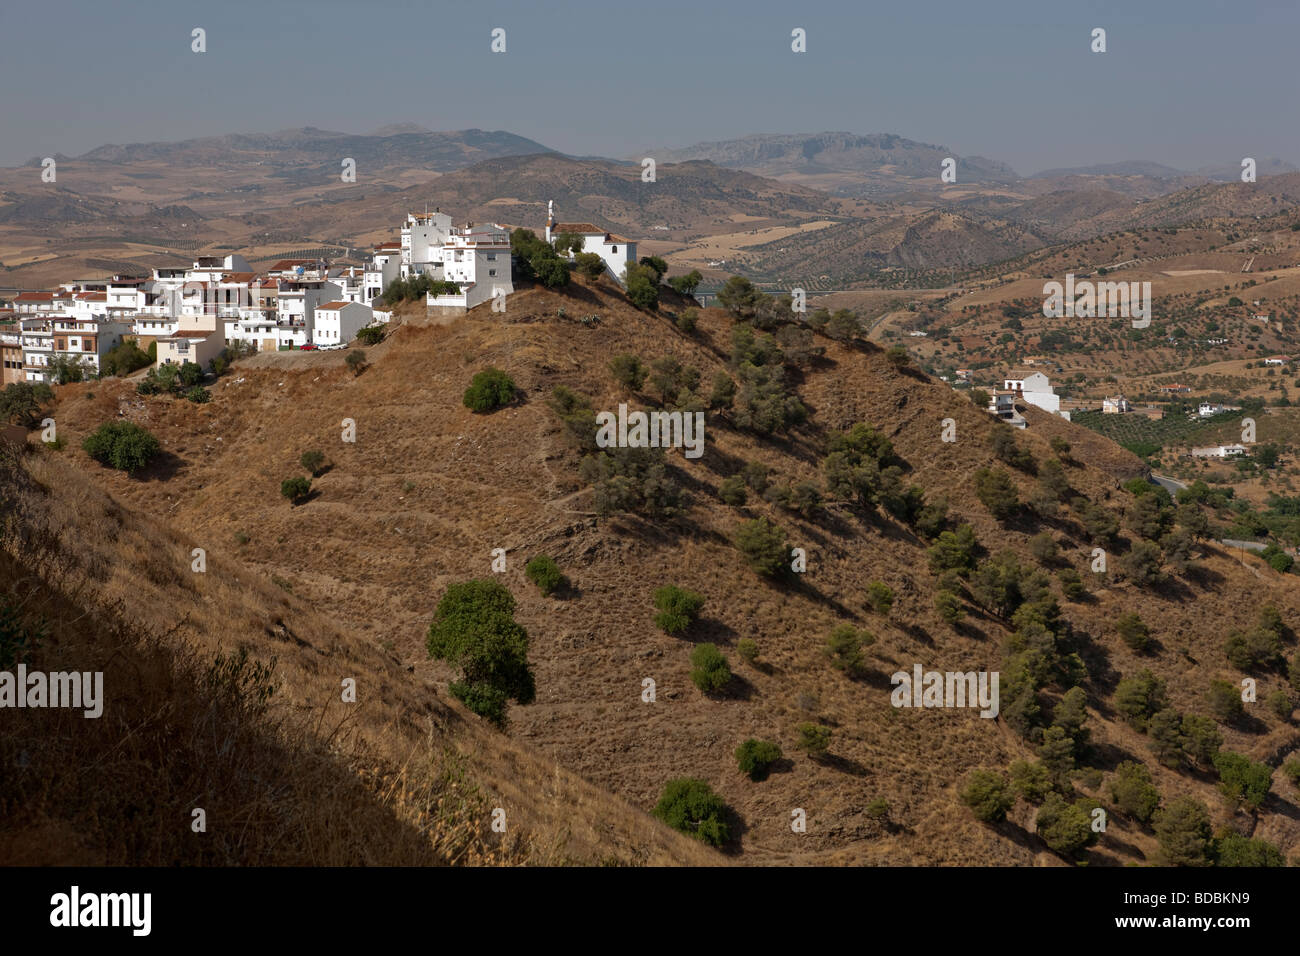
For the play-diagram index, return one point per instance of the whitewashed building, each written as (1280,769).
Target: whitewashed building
(337,323)
(614,249)
(1035,388)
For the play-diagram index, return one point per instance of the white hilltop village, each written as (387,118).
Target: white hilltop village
(192,314)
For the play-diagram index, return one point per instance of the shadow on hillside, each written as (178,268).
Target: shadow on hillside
(843,765)
(736,828)
(1108,756)
(738,688)
(709,630)
(164,467)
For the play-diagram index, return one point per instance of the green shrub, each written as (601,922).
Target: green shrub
(814,739)
(124,358)
(1279,702)
(690,806)
(997,492)
(747,648)
(590,264)
(642,284)
(880,596)
(949,606)
(1224,699)
(687,319)
(544,572)
(489,390)
(1139,697)
(1233,849)
(1201,739)
(678,609)
(1133,632)
(198,395)
(474,629)
(1133,792)
(988,795)
(845,646)
(1066,828)
(295,489)
(312,461)
(629,371)
(877,809)
(356,361)
(1242,780)
(763,545)
(125,446)
(1031,781)
(1072,586)
(709,669)
(371,335)
(732,491)
(755,757)
(1183,832)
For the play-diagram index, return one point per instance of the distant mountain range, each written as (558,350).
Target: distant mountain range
(882,164)
(403,145)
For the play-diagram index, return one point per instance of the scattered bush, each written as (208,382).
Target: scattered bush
(1224,699)
(295,489)
(747,648)
(709,669)
(732,491)
(678,609)
(313,462)
(880,596)
(474,629)
(1031,781)
(1133,793)
(628,371)
(988,795)
(814,739)
(1133,632)
(690,806)
(1183,832)
(125,446)
(1242,780)
(763,545)
(1066,828)
(755,757)
(544,572)
(489,390)
(1233,849)
(356,361)
(845,647)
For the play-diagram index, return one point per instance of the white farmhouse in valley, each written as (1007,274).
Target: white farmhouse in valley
(1034,388)
(615,250)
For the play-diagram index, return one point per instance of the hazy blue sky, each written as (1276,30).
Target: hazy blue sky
(1186,83)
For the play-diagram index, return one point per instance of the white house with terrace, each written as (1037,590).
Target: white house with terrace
(476,258)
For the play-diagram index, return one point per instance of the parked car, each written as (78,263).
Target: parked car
(308,348)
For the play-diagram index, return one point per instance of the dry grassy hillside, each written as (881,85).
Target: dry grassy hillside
(429,489)
(401,777)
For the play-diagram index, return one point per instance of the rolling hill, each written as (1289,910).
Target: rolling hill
(429,489)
